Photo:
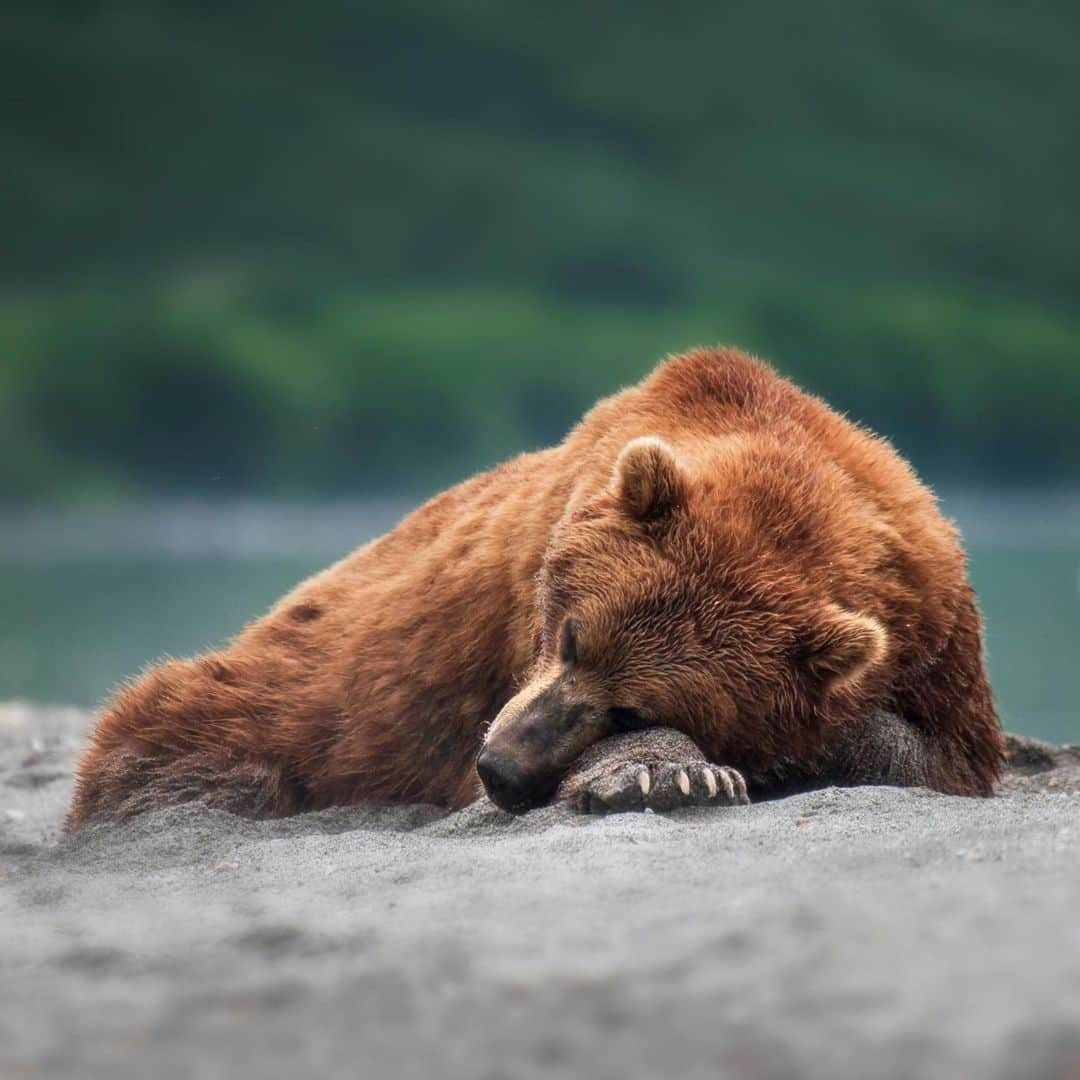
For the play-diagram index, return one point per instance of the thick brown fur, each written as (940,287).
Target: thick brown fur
(712,550)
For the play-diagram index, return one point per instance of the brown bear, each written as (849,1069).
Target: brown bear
(713,567)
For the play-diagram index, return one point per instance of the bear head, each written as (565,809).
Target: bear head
(659,605)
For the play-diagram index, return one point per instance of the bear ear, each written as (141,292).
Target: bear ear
(845,647)
(649,480)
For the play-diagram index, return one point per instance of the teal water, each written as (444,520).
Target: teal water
(72,627)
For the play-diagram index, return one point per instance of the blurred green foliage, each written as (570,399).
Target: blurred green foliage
(338,247)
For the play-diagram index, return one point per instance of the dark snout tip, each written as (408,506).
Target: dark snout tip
(497,770)
(502,778)
(508,785)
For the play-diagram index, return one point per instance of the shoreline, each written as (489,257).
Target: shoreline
(864,932)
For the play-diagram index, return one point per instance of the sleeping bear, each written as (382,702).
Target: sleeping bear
(714,586)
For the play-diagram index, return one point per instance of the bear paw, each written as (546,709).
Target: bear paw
(669,785)
(632,772)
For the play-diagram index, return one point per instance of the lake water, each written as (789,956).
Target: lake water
(90,597)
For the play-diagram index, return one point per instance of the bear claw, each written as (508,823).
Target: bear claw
(665,786)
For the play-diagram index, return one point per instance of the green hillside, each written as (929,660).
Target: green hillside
(338,247)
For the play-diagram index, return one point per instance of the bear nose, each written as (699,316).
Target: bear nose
(506,783)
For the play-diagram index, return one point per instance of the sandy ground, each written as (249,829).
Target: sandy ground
(863,933)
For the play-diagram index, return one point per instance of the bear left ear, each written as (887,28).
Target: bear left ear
(845,647)
(649,480)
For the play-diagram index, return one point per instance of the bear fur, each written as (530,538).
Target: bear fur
(712,551)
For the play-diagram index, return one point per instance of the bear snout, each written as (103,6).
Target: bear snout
(510,786)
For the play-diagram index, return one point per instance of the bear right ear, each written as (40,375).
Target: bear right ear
(649,480)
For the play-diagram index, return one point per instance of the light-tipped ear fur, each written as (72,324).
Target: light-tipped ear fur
(846,647)
(649,479)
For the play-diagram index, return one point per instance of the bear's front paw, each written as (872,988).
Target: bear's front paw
(657,768)
(667,785)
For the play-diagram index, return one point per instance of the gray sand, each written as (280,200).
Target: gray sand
(863,933)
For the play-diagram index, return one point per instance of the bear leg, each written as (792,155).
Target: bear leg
(119,784)
(882,748)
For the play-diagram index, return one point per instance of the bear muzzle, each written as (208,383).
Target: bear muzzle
(510,787)
(534,740)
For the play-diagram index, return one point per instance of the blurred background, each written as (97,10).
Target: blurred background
(271,274)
